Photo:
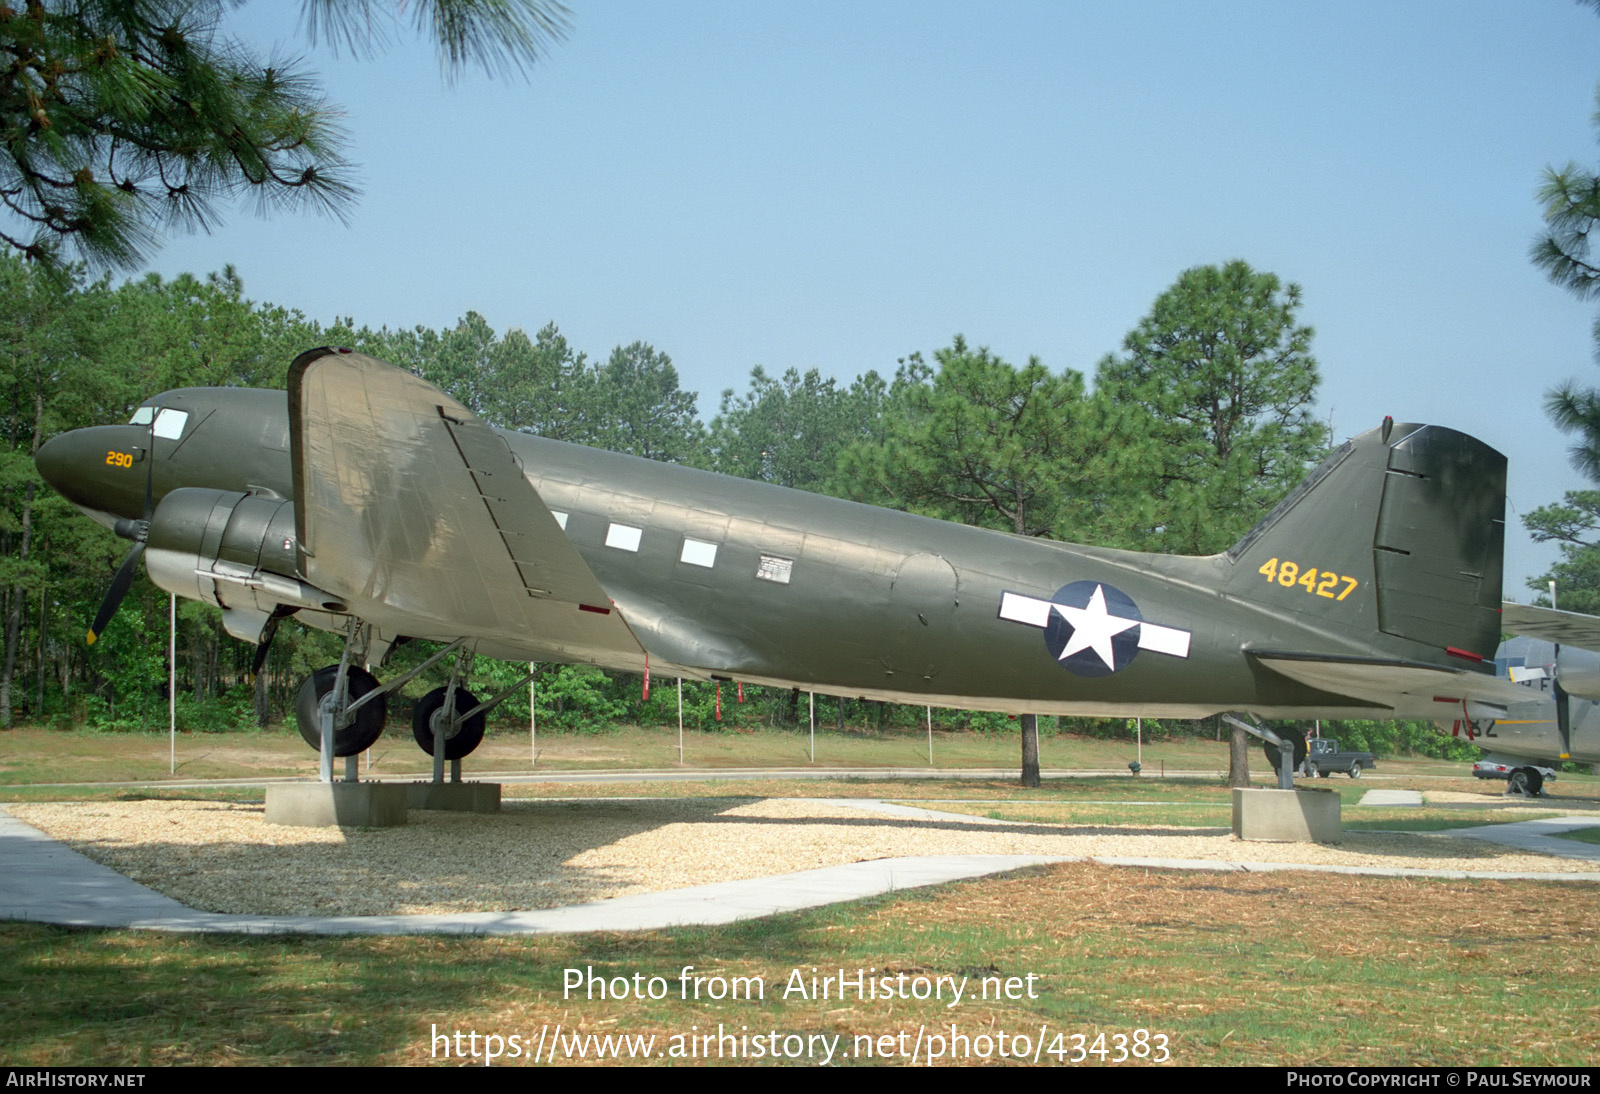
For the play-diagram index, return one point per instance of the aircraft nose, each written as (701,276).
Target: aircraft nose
(56,459)
(100,468)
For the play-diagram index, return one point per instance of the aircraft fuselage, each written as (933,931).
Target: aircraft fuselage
(731,578)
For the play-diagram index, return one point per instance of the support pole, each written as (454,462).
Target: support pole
(813,725)
(325,760)
(680,719)
(930,735)
(336,701)
(533,719)
(172,681)
(439,726)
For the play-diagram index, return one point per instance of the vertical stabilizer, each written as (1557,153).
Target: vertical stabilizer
(1401,530)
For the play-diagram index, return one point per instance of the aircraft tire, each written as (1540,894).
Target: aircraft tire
(354,738)
(1355,769)
(468,735)
(1525,780)
(1274,756)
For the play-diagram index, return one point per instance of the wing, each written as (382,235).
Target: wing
(1565,628)
(418,516)
(1409,689)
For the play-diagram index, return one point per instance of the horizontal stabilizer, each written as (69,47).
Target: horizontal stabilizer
(1564,628)
(1408,688)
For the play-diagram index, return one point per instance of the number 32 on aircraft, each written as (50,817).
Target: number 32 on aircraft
(1321,582)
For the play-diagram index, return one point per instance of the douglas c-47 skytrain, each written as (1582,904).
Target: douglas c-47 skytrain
(368,502)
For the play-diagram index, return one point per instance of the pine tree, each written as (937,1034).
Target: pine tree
(121,119)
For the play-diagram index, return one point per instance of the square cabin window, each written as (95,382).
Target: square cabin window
(170,423)
(624,537)
(697,552)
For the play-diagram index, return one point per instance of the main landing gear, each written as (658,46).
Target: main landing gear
(350,704)
(341,710)
(1288,813)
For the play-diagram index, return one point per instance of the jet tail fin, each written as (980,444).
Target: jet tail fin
(1403,528)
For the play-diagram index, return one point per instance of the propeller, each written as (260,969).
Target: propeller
(1563,704)
(1563,716)
(136,530)
(268,632)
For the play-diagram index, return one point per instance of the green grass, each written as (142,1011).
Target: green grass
(33,755)
(1233,969)
(1196,813)
(1582,835)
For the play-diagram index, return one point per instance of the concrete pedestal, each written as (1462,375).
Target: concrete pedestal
(336,805)
(457,797)
(1287,816)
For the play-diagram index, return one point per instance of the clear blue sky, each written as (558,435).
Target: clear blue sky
(835,185)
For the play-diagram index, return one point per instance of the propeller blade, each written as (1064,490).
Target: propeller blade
(136,530)
(1563,703)
(1564,719)
(268,632)
(118,590)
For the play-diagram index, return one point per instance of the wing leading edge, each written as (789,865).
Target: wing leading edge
(417,514)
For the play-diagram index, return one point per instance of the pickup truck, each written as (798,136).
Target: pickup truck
(1324,755)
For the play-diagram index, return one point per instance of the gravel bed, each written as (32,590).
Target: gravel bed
(224,857)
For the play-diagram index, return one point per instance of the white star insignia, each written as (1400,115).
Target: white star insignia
(1093,628)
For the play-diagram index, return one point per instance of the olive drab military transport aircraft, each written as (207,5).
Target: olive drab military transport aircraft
(367,501)
(1558,717)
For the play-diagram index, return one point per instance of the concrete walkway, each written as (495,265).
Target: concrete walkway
(43,880)
(1392,797)
(1538,835)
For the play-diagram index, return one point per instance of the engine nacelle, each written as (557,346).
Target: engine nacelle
(231,550)
(1578,672)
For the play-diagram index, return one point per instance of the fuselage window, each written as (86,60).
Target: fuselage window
(624,537)
(697,552)
(170,423)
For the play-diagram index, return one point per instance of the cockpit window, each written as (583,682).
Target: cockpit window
(141,416)
(170,423)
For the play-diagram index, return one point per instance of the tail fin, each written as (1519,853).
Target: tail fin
(1403,526)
